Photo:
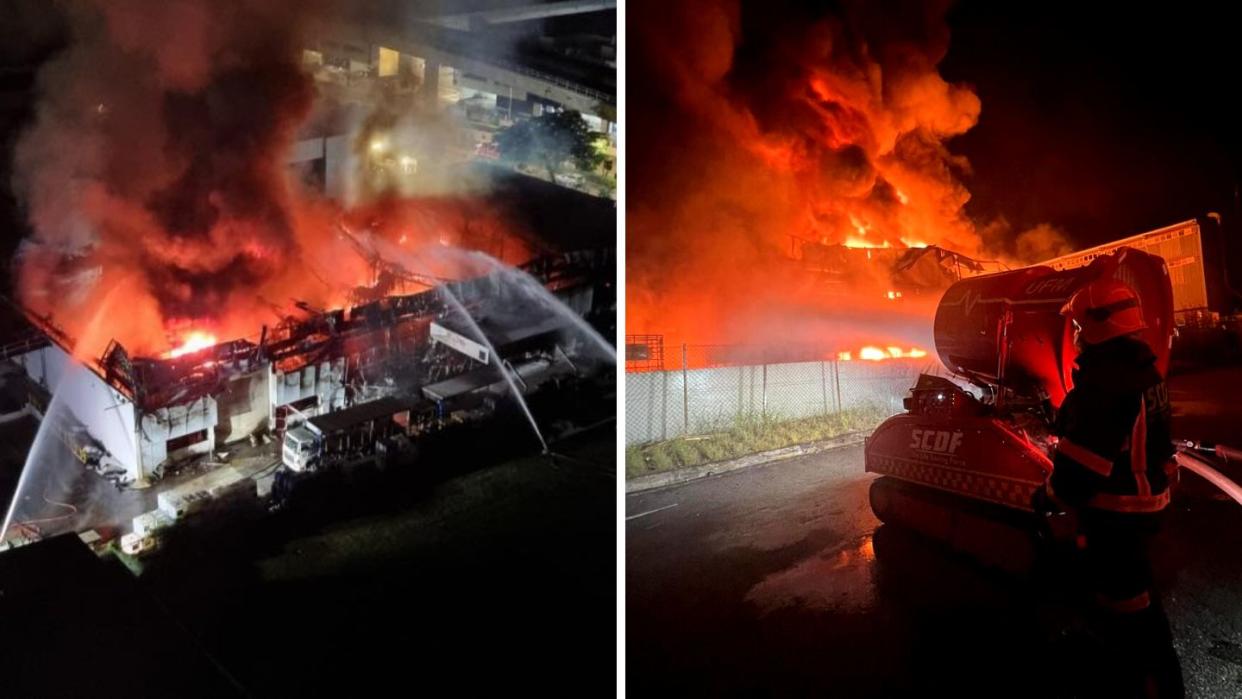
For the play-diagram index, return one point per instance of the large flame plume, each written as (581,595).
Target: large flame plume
(154,179)
(761,128)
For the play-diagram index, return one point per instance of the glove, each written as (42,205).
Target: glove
(1063,526)
(1059,520)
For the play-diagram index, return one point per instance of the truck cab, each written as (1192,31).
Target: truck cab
(302,448)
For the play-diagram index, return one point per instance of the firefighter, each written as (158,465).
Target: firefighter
(1112,470)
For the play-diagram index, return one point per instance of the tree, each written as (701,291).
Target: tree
(550,140)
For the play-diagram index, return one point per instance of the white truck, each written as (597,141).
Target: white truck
(363,431)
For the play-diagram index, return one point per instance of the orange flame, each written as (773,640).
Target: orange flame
(872,353)
(193,341)
(775,151)
(857,242)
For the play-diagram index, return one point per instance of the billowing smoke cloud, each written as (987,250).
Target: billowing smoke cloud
(155,182)
(418,143)
(155,161)
(756,128)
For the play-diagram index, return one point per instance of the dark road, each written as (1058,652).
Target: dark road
(778,580)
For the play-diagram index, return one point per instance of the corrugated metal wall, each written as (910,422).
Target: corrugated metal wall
(1181,246)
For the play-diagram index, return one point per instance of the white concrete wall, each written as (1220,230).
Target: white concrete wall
(247,403)
(44,365)
(338,164)
(571,97)
(106,413)
(492,87)
(326,380)
(244,405)
(305,150)
(171,422)
(657,406)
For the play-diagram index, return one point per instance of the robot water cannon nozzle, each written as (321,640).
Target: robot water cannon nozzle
(1006,331)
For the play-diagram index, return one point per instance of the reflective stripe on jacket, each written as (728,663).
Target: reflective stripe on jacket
(1115,450)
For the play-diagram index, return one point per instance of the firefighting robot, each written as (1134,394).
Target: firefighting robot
(965,462)
(993,462)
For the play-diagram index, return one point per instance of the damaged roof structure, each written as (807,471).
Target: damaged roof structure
(150,412)
(928,268)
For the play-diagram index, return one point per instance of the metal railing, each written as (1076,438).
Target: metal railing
(28,343)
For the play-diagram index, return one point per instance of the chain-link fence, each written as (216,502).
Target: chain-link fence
(662,405)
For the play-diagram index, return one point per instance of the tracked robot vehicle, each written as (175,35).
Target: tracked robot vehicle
(962,466)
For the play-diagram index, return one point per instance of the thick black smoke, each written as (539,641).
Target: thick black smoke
(155,165)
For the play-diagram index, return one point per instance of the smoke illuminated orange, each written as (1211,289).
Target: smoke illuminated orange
(201,222)
(769,143)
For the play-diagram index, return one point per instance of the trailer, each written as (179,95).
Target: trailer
(360,432)
(1201,291)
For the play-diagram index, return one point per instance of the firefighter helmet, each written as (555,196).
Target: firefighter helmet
(1104,309)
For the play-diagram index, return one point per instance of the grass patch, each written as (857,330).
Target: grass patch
(748,435)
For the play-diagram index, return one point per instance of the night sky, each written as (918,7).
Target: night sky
(1103,123)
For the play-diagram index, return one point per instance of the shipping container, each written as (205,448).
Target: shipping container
(1181,245)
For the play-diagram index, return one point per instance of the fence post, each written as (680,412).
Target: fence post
(765,390)
(823,383)
(836,379)
(664,405)
(685,393)
(741,390)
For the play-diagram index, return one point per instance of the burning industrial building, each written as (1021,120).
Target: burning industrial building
(791,159)
(435,358)
(191,293)
(166,192)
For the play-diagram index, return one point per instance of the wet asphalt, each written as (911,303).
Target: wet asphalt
(779,581)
